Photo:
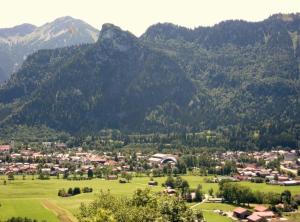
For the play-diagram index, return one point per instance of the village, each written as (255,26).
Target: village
(28,161)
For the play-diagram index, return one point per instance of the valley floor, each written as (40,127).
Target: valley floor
(38,198)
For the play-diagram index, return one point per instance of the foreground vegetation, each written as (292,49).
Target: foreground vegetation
(154,207)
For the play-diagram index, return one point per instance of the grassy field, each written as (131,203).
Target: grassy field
(213,217)
(38,199)
(208,211)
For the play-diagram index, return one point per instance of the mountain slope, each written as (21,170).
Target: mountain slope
(18,42)
(239,78)
(114,83)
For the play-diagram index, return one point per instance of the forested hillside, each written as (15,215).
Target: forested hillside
(238,78)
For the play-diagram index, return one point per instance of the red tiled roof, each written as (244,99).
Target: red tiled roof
(260,208)
(4,147)
(254,217)
(265,214)
(240,210)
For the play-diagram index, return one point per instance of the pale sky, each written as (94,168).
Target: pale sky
(137,15)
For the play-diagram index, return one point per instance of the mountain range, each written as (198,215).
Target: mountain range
(240,78)
(20,41)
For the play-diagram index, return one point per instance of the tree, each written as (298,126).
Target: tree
(70,191)
(198,193)
(103,215)
(211,191)
(128,176)
(90,173)
(65,175)
(154,207)
(98,172)
(286,197)
(10,176)
(170,182)
(76,191)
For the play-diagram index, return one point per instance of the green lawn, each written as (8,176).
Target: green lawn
(213,217)
(208,211)
(27,197)
(216,206)
(25,207)
(271,188)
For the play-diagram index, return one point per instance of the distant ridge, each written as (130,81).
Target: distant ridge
(18,42)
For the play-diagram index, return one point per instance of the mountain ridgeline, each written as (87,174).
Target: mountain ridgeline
(238,78)
(20,41)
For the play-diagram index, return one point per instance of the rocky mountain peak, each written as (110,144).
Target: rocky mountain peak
(116,37)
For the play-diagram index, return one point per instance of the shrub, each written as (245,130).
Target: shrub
(122,180)
(87,190)
(63,193)
(76,191)
(20,219)
(70,191)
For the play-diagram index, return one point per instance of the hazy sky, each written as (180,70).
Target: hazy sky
(137,15)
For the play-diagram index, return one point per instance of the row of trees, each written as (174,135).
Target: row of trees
(237,194)
(22,219)
(74,191)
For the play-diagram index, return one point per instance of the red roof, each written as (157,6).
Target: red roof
(5,147)
(254,217)
(240,210)
(265,214)
(260,208)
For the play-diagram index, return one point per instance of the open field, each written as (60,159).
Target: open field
(208,211)
(38,198)
(213,217)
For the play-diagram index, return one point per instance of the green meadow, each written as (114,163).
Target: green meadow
(38,198)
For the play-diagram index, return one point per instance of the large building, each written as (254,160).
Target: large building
(161,158)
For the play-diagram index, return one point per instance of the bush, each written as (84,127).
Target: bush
(87,190)
(63,193)
(44,176)
(20,219)
(10,176)
(122,180)
(70,191)
(257,180)
(76,191)
(152,183)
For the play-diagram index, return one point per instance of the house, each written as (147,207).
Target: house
(255,218)
(152,183)
(60,145)
(5,148)
(97,159)
(283,178)
(170,191)
(265,214)
(214,200)
(47,144)
(260,208)
(290,183)
(241,213)
(112,177)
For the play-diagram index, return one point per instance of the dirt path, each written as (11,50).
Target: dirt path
(62,214)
